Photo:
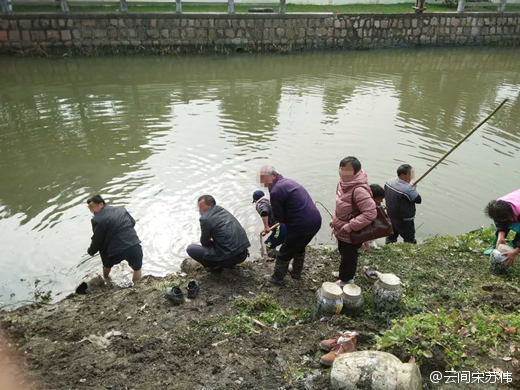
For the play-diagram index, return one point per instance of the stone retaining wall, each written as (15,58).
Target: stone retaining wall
(171,33)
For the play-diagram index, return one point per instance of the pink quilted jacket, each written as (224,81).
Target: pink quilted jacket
(365,207)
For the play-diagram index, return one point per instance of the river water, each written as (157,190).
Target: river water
(154,133)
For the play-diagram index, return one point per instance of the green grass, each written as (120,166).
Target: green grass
(350,8)
(458,335)
(263,308)
(453,310)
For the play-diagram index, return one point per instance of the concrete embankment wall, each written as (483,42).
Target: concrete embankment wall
(178,33)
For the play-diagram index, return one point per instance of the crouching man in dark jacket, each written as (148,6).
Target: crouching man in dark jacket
(224,241)
(114,237)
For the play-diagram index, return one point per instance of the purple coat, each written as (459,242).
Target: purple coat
(293,206)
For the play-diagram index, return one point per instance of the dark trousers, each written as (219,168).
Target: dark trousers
(277,237)
(133,255)
(349,259)
(403,228)
(198,252)
(292,248)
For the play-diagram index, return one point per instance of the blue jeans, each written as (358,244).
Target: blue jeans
(277,237)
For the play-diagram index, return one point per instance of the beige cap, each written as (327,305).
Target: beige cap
(352,290)
(331,290)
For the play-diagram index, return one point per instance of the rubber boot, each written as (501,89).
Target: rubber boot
(280,269)
(297,265)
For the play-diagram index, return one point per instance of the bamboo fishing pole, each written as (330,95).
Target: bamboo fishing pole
(460,142)
(262,234)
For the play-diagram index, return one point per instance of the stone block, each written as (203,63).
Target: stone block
(230,33)
(112,32)
(26,36)
(53,35)
(414,23)
(4,24)
(3,35)
(100,33)
(24,24)
(37,35)
(62,22)
(14,35)
(66,35)
(13,24)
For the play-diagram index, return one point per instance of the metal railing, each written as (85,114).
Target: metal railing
(7,6)
(501,7)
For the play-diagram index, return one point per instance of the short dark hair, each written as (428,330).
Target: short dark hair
(208,200)
(403,169)
(499,210)
(352,161)
(377,191)
(97,199)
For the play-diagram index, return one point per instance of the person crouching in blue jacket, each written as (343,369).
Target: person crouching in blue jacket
(263,208)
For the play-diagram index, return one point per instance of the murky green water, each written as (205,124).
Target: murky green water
(155,133)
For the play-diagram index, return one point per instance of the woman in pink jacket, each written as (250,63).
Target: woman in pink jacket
(355,209)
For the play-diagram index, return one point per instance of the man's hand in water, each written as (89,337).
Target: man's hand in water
(511,256)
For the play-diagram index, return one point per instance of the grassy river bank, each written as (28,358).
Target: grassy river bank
(240,333)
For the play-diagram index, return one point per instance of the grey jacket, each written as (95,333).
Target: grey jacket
(114,232)
(263,208)
(400,199)
(222,234)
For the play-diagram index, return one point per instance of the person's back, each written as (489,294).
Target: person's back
(222,233)
(400,198)
(263,208)
(293,206)
(118,228)
(223,240)
(114,237)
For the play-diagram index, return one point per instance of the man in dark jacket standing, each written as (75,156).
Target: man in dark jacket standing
(400,198)
(114,237)
(224,241)
(292,206)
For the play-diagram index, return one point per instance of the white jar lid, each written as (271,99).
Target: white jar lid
(352,290)
(331,290)
(390,279)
